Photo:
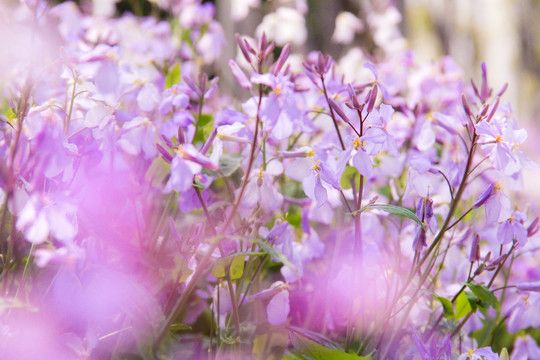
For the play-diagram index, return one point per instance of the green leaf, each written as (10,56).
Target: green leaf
(474,301)
(463,307)
(173,76)
(312,350)
(447,306)
(349,175)
(392,210)
(179,326)
(504,354)
(275,254)
(484,294)
(203,128)
(294,219)
(237,267)
(235,264)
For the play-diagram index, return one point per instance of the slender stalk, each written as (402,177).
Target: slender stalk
(227,272)
(332,113)
(182,301)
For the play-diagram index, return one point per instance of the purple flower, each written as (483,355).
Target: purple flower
(525,348)
(523,311)
(376,136)
(437,349)
(42,215)
(278,308)
(138,136)
(174,99)
(148,97)
(187,163)
(261,190)
(494,137)
(484,353)
(513,229)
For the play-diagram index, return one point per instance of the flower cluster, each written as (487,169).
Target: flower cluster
(325,212)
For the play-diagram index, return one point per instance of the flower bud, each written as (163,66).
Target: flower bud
(484,196)
(372,99)
(243,48)
(529,286)
(338,109)
(181,136)
(475,249)
(533,228)
(164,153)
(494,108)
(282,58)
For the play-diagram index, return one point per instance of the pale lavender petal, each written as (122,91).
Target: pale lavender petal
(266,79)
(362,161)
(107,76)
(320,192)
(278,308)
(148,97)
(239,75)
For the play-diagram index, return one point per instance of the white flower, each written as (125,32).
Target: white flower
(347,25)
(240,8)
(286,25)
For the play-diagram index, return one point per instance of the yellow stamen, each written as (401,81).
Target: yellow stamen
(180,151)
(317,167)
(499,138)
(278,90)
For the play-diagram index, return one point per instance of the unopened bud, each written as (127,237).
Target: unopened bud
(475,249)
(263,42)
(338,109)
(466,106)
(282,58)
(372,99)
(243,48)
(533,228)
(484,110)
(530,286)
(164,153)
(494,108)
(485,90)
(476,92)
(181,136)
(503,90)
(352,96)
(168,142)
(484,196)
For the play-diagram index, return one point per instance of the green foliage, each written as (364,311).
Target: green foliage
(392,210)
(448,309)
(305,348)
(463,306)
(173,76)
(234,264)
(350,176)
(204,128)
(484,294)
